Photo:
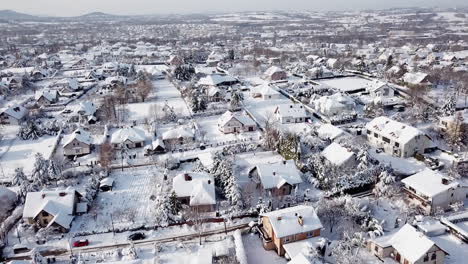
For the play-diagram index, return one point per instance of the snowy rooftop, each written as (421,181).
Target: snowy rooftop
(180,132)
(414,77)
(328,131)
(132,134)
(50,95)
(337,154)
(275,175)
(285,222)
(272,70)
(242,117)
(81,135)
(216,79)
(291,110)
(429,183)
(198,186)
(392,129)
(15,111)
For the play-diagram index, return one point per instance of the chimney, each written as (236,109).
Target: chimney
(187,177)
(300,220)
(209,181)
(279,218)
(445,181)
(291,106)
(274,173)
(43,195)
(284,162)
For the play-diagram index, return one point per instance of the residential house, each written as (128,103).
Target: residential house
(66,85)
(407,246)
(13,82)
(288,225)
(459,120)
(195,189)
(278,179)
(83,112)
(46,97)
(417,78)
(215,94)
(266,92)
(383,93)
(12,115)
(339,156)
(396,138)
(175,61)
(178,136)
(130,137)
(78,143)
(433,191)
(275,73)
(231,122)
(335,104)
(291,113)
(53,208)
(217,80)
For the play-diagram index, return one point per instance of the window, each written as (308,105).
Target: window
(426,258)
(287,239)
(397,144)
(368,132)
(376,135)
(376,249)
(434,256)
(386,140)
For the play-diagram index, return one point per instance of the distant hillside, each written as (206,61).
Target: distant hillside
(13,15)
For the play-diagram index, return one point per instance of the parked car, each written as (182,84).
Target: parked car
(81,243)
(136,236)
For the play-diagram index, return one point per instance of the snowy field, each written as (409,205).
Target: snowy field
(20,153)
(128,205)
(346,84)
(257,254)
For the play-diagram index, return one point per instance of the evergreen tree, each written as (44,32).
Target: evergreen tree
(176,205)
(40,175)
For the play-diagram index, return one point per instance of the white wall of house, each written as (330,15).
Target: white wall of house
(399,149)
(76,148)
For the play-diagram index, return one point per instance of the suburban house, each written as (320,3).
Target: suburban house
(406,246)
(175,61)
(383,93)
(329,132)
(275,73)
(214,94)
(266,92)
(459,120)
(278,179)
(417,78)
(12,115)
(291,113)
(396,138)
(339,156)
(130,137)
(231,122)
(178,136)
(46,97)
(53,208)
(13,82)
(195,189)
(78,143)
(66,85)
(433,191)
(217,80)
(334,104)
(286,226)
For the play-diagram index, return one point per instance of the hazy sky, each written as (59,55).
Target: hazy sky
(78,7)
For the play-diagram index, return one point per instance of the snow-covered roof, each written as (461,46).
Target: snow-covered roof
(242,117)
(54,202)
(408,242)
(16,111)
(49,95)
(216,79)
(414,77)
(272,70)
(429,183)
(180,132)
(389,128)
(286,222)
(375,85)
(196,185)
(80,135)
(266,89)
(106,182)
(71,83)
(132,134)
(274,175)
(337,154)
(333,103)
(206,159)
(329,131)
(291,110)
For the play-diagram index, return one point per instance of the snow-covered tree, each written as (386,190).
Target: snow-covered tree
(236,99)
(30,130)
(20,180)
(385,187)
(163,210)
(184,72)
(40,174)
(346,251)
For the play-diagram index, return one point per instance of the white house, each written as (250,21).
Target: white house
(66,85)
(83,112)
(383,93)
(278,179)
(417,78)
(396,138)
(231,122)
(329,131)
(334,104)
(46,97)
(268,93)
(12,115)
(178,136)
(131,137)
(53,208)
(291,113)
(433,191)
(78,143)
(407,246)
(195,189)
(339,156)
(275,73)
(217,80)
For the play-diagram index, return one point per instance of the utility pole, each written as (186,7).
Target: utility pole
(112,221)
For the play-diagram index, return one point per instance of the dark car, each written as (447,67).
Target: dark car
(136,236)
(81,243)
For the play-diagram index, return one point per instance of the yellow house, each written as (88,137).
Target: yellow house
(287,226)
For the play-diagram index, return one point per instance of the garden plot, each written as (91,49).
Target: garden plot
(211,135)
(20,153)
(127,205)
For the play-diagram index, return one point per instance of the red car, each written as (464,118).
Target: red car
(81,243)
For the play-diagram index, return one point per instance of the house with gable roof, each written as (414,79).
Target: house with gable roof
(407,246)
(278,179)
(53,208)
(12,115)
(291,113)
(130,137)
(397,139)
(286,226)
(275,73)
(231,122)
(78,143)
(46,97)
(195,189)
